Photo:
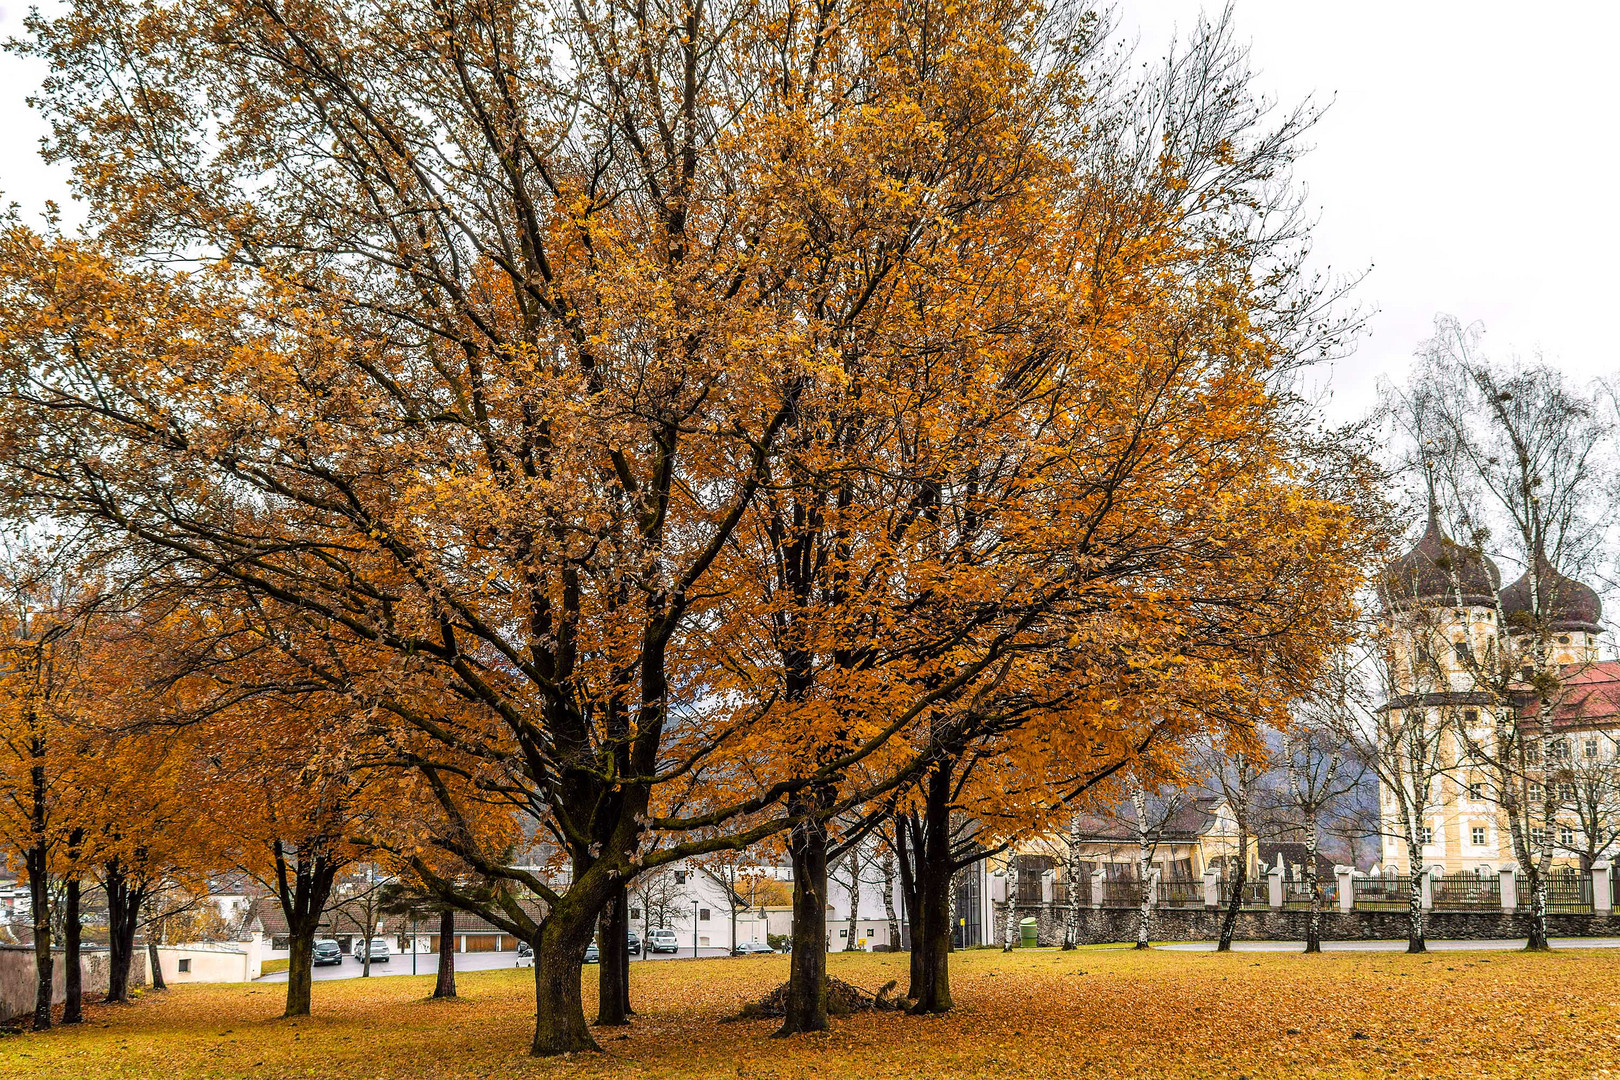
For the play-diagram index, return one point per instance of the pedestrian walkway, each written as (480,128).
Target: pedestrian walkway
(1391,946)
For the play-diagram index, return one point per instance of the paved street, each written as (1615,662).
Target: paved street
(1390,946)
(428,963)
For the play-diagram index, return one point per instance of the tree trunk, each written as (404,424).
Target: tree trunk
(1010,928)
(365,961)
(445,986)
(300,971)
(123,913)
(559,960)
(854,897)
(1144,915)
(1144,867)
(72,975)
(1313,922)
(39,896)
(1538,914)
(908,854)
(888,902)
(613,971)
(932,928)
(1071,872)
(1240,878)
(1414,904)
(153,959)
(807,968)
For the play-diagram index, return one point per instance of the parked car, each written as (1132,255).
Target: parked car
(752,948)
(327,953)
(378,949)
(525,955)
(591,954)
(633,943)
(662,940)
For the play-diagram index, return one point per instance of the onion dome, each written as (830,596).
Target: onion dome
(1566,604)
(1439,572)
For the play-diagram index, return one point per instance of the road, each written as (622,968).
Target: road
(428,963)
(1390,946)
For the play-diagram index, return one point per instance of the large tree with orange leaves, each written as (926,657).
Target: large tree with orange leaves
(666,425)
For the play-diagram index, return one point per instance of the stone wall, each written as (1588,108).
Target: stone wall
(1099,926)
(18,978)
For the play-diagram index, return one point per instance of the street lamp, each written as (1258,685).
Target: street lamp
(694,929)
(413,941)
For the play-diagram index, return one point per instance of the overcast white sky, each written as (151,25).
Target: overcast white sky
(1466,159)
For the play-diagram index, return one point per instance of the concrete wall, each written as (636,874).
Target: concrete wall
(213,962)
(1100,926)
(19,977)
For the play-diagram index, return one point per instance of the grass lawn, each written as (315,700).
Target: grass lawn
(1037,1013)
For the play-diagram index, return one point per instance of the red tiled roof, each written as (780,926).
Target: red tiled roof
(1590,695)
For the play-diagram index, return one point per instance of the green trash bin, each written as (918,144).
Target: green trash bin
(1026,933)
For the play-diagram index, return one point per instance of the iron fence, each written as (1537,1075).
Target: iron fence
(1567,894)
(1122,892)
(1466,892)
(1180,892)
(1383,893)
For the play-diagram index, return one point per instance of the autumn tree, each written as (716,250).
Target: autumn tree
(46,604)
(670,426)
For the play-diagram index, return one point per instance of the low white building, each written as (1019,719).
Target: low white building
(209,961)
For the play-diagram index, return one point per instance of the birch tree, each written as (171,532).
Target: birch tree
(1314,758)
(1516,456)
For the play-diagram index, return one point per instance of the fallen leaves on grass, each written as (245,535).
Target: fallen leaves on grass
(1171,1015)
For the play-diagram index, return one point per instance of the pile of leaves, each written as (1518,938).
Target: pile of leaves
(842,999)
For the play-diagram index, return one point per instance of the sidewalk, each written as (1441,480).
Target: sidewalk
(1391,946)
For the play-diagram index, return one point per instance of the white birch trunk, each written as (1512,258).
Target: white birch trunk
(854,896)
(1071,917)
(888,902)
(1010,939)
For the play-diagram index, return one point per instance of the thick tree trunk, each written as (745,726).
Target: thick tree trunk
(445,986)
(123,914)
(300,970)
(807,968)
(613,974)
(907,836)
(559,960)
(72,975)
(931,935)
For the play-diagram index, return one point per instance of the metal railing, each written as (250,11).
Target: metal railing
(1122,892)
(1383,893)
(1180,892)
(1256,893)
(1567,894)
(1466,892)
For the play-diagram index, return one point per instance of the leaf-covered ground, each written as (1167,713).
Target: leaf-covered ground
(1038,1013)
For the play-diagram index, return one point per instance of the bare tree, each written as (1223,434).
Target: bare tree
(362,902)
(1236,772)
(661,900)
(1315,760)
(1516,453)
